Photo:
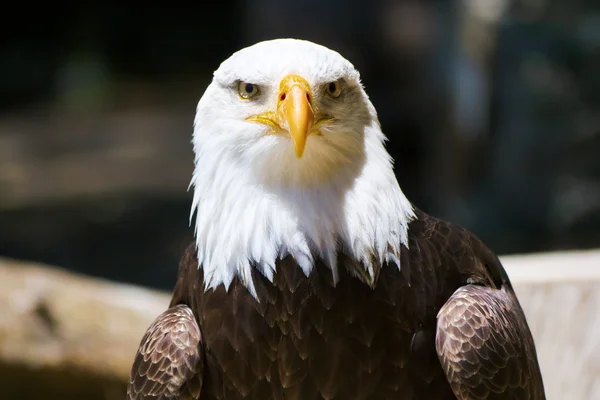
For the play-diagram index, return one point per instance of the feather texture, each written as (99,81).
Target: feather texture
(307,338)
(485,347)
(168,364)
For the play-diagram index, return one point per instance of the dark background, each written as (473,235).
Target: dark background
(492,108)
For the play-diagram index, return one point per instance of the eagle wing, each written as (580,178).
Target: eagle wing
(169,363)
(485,346)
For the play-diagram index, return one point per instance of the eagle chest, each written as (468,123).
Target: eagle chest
(309,339)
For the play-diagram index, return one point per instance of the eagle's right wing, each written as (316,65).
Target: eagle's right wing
(168,364)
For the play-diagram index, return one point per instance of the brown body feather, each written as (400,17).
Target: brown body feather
(307,339)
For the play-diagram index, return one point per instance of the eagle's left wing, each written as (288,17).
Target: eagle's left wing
(485,346)
(168,364)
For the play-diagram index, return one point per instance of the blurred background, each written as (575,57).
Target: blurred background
(492,108)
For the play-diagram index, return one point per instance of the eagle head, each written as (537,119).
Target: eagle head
(291,111)
(289,160)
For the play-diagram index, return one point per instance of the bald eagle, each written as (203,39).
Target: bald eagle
(311,275)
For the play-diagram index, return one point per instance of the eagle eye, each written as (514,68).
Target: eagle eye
(247,90)
(334,89)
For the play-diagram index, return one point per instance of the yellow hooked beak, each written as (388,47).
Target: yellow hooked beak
(294,108)
(294,111)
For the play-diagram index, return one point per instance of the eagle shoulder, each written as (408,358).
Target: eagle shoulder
(485,346)
(169,363)
(482,339)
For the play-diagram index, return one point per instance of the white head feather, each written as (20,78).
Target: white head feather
(257,202)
